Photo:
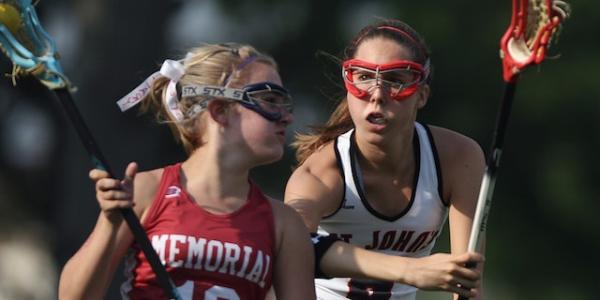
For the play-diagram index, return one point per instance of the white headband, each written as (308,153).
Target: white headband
(171,69)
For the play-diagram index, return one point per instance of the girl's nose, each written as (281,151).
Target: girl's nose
(287,117)
(377,94)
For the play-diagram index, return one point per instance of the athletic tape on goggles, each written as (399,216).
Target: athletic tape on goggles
(268,99)
(400,78)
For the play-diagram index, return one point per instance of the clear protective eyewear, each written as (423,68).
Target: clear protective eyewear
(268,99)
(399,78)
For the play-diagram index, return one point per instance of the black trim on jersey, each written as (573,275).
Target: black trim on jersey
(359,187)
(338,159)
(438,166)
(321,244)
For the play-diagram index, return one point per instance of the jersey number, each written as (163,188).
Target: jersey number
(369,290)
(216,292)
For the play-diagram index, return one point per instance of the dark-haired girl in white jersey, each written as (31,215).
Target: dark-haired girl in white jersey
(375,178)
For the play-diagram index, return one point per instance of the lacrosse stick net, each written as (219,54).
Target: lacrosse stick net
(535,24)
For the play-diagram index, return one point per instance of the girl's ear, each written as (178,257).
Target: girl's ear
(218,111)
(423,94)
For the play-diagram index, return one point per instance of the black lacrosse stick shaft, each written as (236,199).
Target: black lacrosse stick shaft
(493,158)
(66,101)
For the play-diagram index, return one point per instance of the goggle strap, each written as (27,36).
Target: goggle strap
(212,91)
(248,60)
(426,69)
(402,32)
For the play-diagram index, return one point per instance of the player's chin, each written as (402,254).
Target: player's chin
(373,136)
(271,154)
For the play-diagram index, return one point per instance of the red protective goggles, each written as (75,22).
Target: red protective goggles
(399,78)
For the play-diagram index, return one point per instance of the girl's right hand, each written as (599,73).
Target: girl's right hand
(446,272)
(113,194)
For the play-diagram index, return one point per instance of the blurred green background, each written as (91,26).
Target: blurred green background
(543,229)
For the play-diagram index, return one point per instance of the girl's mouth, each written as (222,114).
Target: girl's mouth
(376,118)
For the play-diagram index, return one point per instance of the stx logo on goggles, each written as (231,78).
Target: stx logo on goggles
(212,91)
(399,78)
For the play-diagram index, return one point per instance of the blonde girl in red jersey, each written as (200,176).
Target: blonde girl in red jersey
(217,234)
(379,180)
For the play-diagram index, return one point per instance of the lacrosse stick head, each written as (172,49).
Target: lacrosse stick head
(533,27)
(27,45)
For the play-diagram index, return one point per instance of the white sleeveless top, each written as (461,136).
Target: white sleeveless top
(411,233)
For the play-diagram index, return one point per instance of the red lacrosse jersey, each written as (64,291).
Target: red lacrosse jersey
(208,256)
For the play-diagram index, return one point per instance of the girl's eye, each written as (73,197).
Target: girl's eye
(363,76)
(275,99)
(269,99)
(401,77)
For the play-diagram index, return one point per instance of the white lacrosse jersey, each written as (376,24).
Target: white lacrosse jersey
(411,233)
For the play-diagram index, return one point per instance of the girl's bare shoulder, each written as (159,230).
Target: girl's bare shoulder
(450,143)
(145,188)
(321,162)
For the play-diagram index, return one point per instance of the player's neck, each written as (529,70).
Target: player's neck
(395,155)
(215,176)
